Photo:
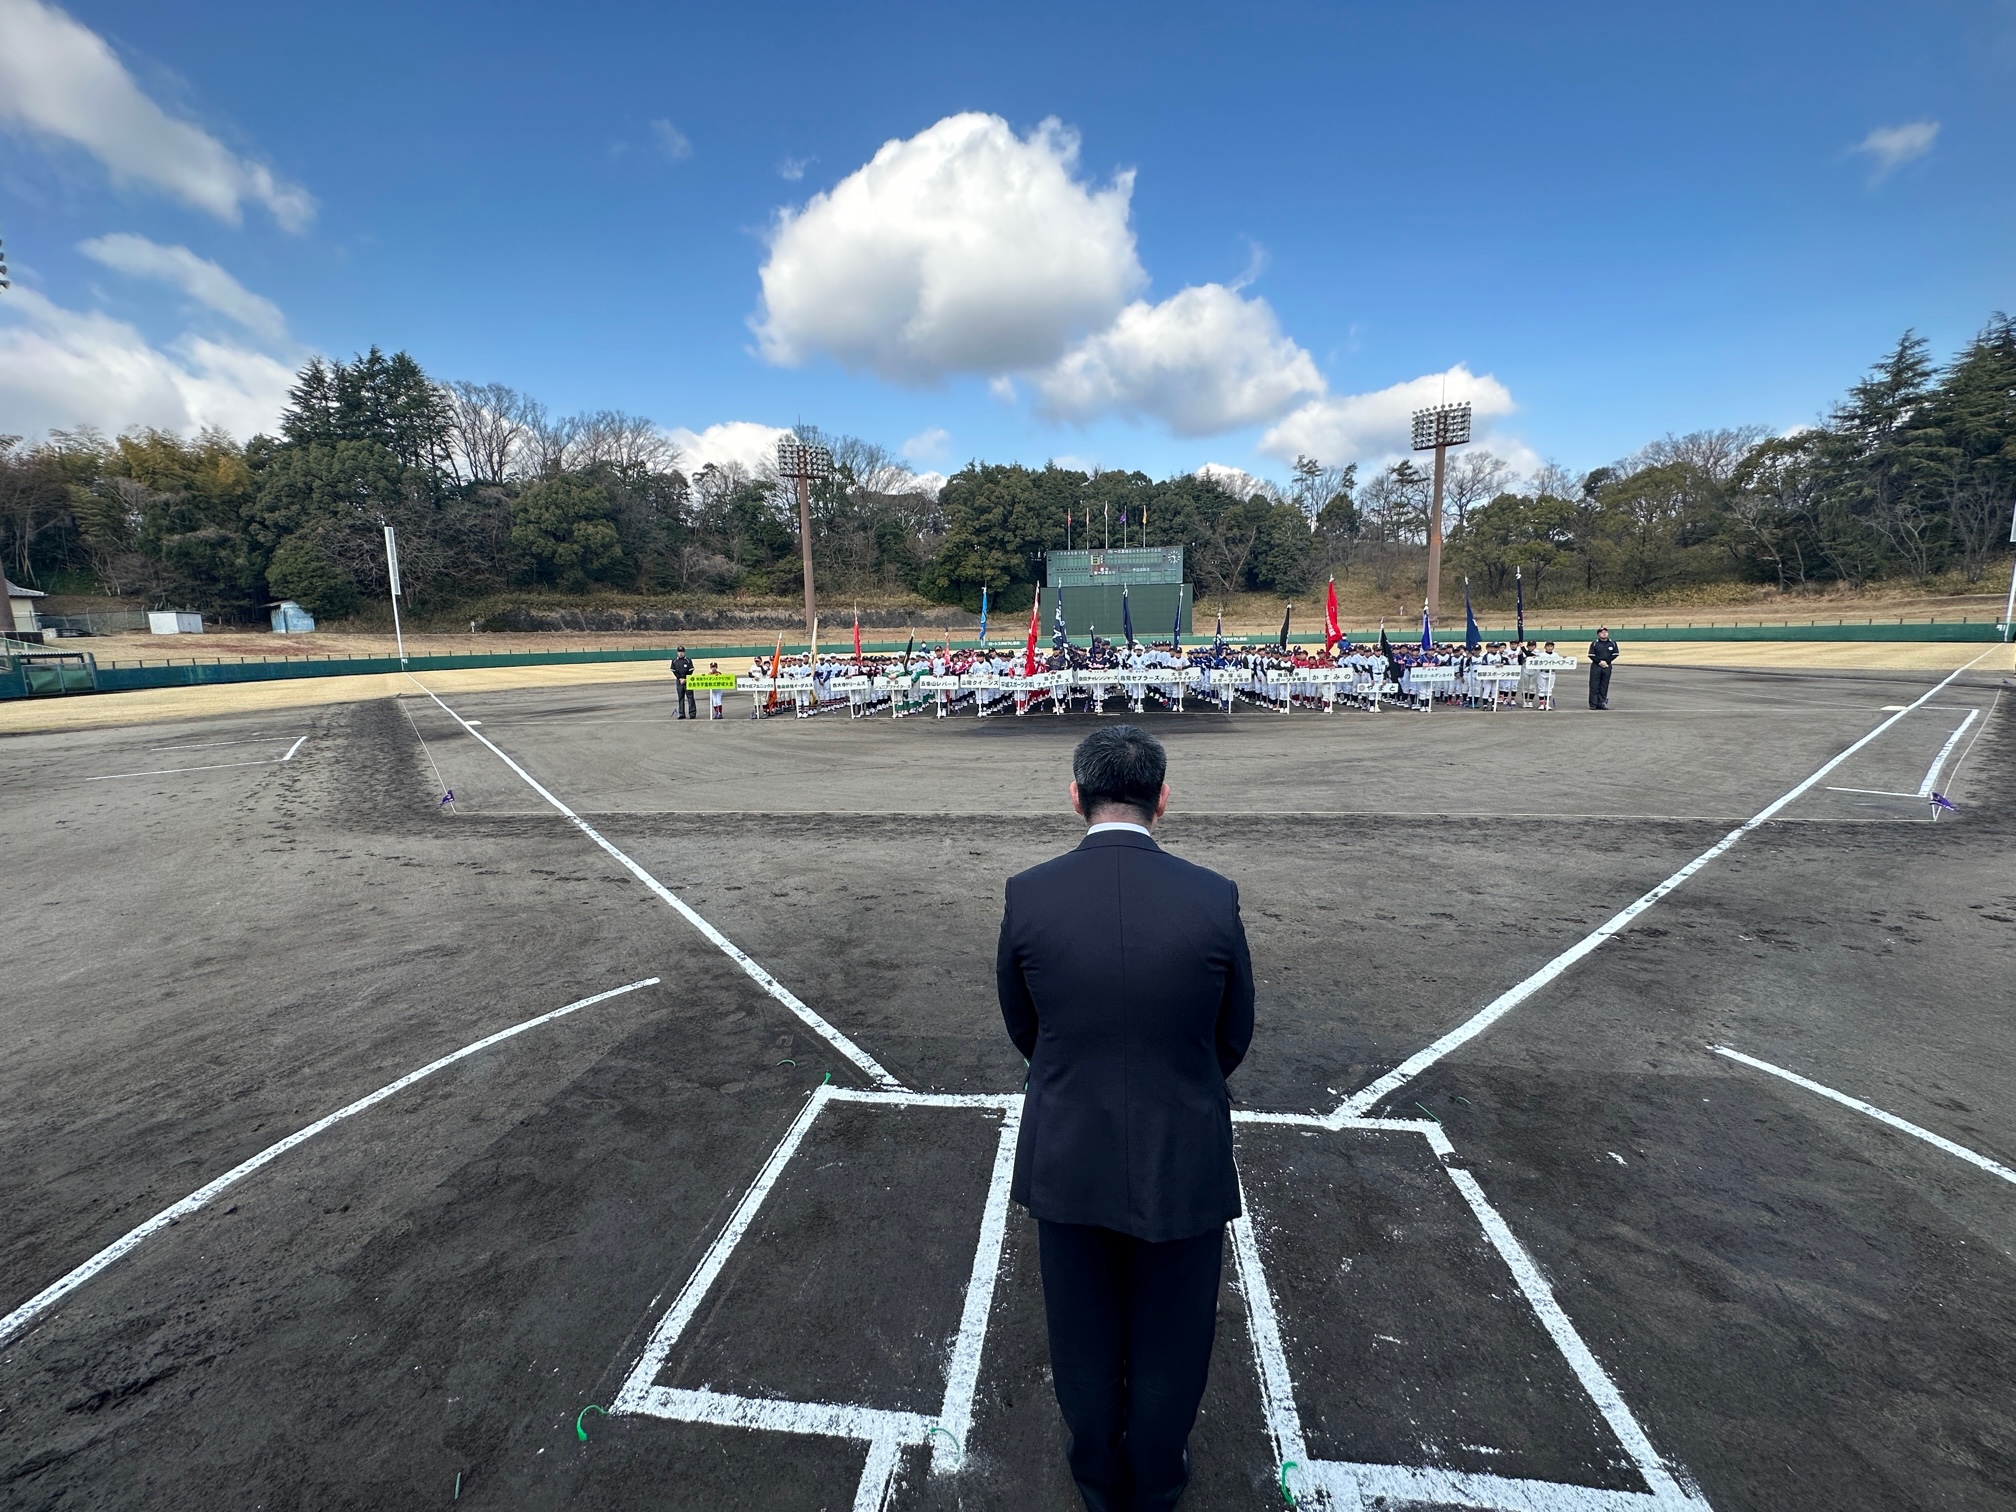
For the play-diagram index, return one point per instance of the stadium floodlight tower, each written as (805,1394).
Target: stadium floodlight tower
(1437,429)
(804,463)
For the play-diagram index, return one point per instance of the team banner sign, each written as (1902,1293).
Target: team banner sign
(708,682)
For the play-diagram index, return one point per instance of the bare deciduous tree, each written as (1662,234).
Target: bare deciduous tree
(1474,478)
(613,438)
(1714,454)
(489,428)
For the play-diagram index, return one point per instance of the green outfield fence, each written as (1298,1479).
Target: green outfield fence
(25,671)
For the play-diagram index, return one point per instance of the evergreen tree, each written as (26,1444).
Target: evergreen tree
(1884,452)
(1974,477)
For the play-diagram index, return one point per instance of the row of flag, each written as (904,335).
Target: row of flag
(1333,633)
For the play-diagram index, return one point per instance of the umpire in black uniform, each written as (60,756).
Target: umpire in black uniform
(1602,652)
(682,668)
(1124,978)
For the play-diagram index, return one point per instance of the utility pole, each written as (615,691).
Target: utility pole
(804,463)
(1437,429)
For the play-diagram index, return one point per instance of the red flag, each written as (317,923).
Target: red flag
(1029,652)
(1332,634)
(857,636)
(776,670)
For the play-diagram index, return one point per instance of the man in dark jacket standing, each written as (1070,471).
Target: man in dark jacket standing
(1602,652)
(682,668)
(1124,978)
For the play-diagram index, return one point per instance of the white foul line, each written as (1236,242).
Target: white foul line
(222,766)
(1992,1167)
(721,942)
(26,1313)
(1364,1100)
(1932,772)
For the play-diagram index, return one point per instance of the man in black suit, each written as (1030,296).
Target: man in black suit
(1125,979)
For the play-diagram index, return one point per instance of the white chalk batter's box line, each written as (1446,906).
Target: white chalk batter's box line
(1329,1484)
(887,1433)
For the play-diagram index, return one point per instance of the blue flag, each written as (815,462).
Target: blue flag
(1060,637)
(1176,630)
(983,614)
(1427,634)
(1218,635)
(1126,616)
(1472,640)
(1941,801)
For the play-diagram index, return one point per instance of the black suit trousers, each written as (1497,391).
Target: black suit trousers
(689,708)
(1131,1325)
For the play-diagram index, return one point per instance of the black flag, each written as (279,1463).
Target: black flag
(1284,625)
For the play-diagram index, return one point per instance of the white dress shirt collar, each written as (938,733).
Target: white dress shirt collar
(1117,824)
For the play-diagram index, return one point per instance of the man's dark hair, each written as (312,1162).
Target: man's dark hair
(1119,766)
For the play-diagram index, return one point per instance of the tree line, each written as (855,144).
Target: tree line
(1912,475)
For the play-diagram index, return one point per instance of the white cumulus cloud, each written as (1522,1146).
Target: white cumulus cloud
(199,278)
(1237,481)
(1341,428)
(927,445)
(742,443)
(1891,147)
(59,78)
(967,249)
(963,249)
(1205,361)
(65,368)
(916,482)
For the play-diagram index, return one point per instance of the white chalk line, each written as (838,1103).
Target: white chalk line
(211,745)
(720,941)
(28,1311)
(222,766)
(887,1432)
(962,1375)
(1932,772)
(1876,792)
(439,780)
(1365,1099)
(1354,1485)
(1916,1131)
(1993,704)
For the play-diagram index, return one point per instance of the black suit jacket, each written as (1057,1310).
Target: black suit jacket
(1125,979)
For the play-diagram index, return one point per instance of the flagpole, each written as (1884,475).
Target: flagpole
(392,574)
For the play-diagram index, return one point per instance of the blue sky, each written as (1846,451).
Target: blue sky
(1246,230)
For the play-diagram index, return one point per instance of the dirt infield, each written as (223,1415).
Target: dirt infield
(1579,1261)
